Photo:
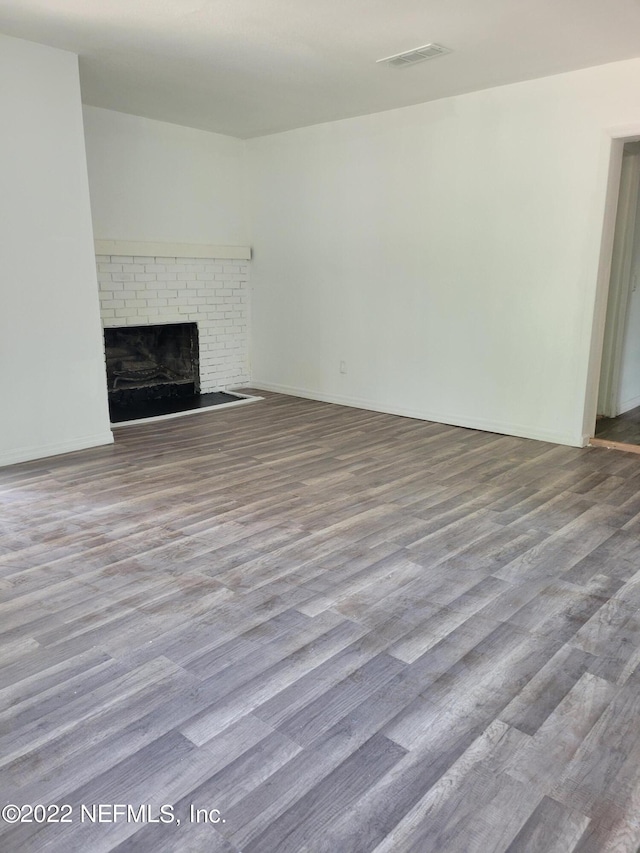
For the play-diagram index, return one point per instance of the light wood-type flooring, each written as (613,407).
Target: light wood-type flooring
(346,631)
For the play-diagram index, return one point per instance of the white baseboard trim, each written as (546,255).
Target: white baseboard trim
(517,430)
(28,454)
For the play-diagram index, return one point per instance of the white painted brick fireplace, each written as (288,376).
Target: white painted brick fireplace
(140,290)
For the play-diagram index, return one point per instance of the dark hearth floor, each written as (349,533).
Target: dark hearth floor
(168,406)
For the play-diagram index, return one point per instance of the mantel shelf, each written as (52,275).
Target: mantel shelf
(171,250)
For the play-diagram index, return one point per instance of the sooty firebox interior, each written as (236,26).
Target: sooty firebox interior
(151,362)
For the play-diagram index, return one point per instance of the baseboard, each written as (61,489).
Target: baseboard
(517,430)
(27,454)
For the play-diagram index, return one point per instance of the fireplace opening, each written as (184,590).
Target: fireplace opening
(152,362)
(154,372)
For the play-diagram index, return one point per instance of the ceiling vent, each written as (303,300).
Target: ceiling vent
(418,54)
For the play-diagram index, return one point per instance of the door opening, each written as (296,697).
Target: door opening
(618,407)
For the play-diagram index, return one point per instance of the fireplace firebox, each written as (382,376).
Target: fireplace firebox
(152,362)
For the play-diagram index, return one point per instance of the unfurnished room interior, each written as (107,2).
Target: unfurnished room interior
(319,434)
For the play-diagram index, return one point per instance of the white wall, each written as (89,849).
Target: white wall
(447,252)
(52,373)
(629,391)
(153,181)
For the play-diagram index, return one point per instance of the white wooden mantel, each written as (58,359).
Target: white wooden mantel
(172,250)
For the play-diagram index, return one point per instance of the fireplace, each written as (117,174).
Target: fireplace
(151,362)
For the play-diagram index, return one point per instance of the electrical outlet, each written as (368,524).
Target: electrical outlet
(343,367)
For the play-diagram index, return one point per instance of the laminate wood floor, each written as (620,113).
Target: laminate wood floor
(625,428)
(346,631)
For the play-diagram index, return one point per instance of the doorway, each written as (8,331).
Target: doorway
(618,409)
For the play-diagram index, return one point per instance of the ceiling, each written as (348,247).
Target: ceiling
(252,67)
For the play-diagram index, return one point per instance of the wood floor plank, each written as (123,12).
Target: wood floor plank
(385,833)
(550,829)
(252,692)
(170,838)
(622,837)
(303,824)
(317,717)
(548,755)
(482,816)
(538,699)
(600,778)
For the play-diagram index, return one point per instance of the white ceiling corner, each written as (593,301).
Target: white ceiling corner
(252,67)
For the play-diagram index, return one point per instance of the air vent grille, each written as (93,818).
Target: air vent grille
(418,54)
